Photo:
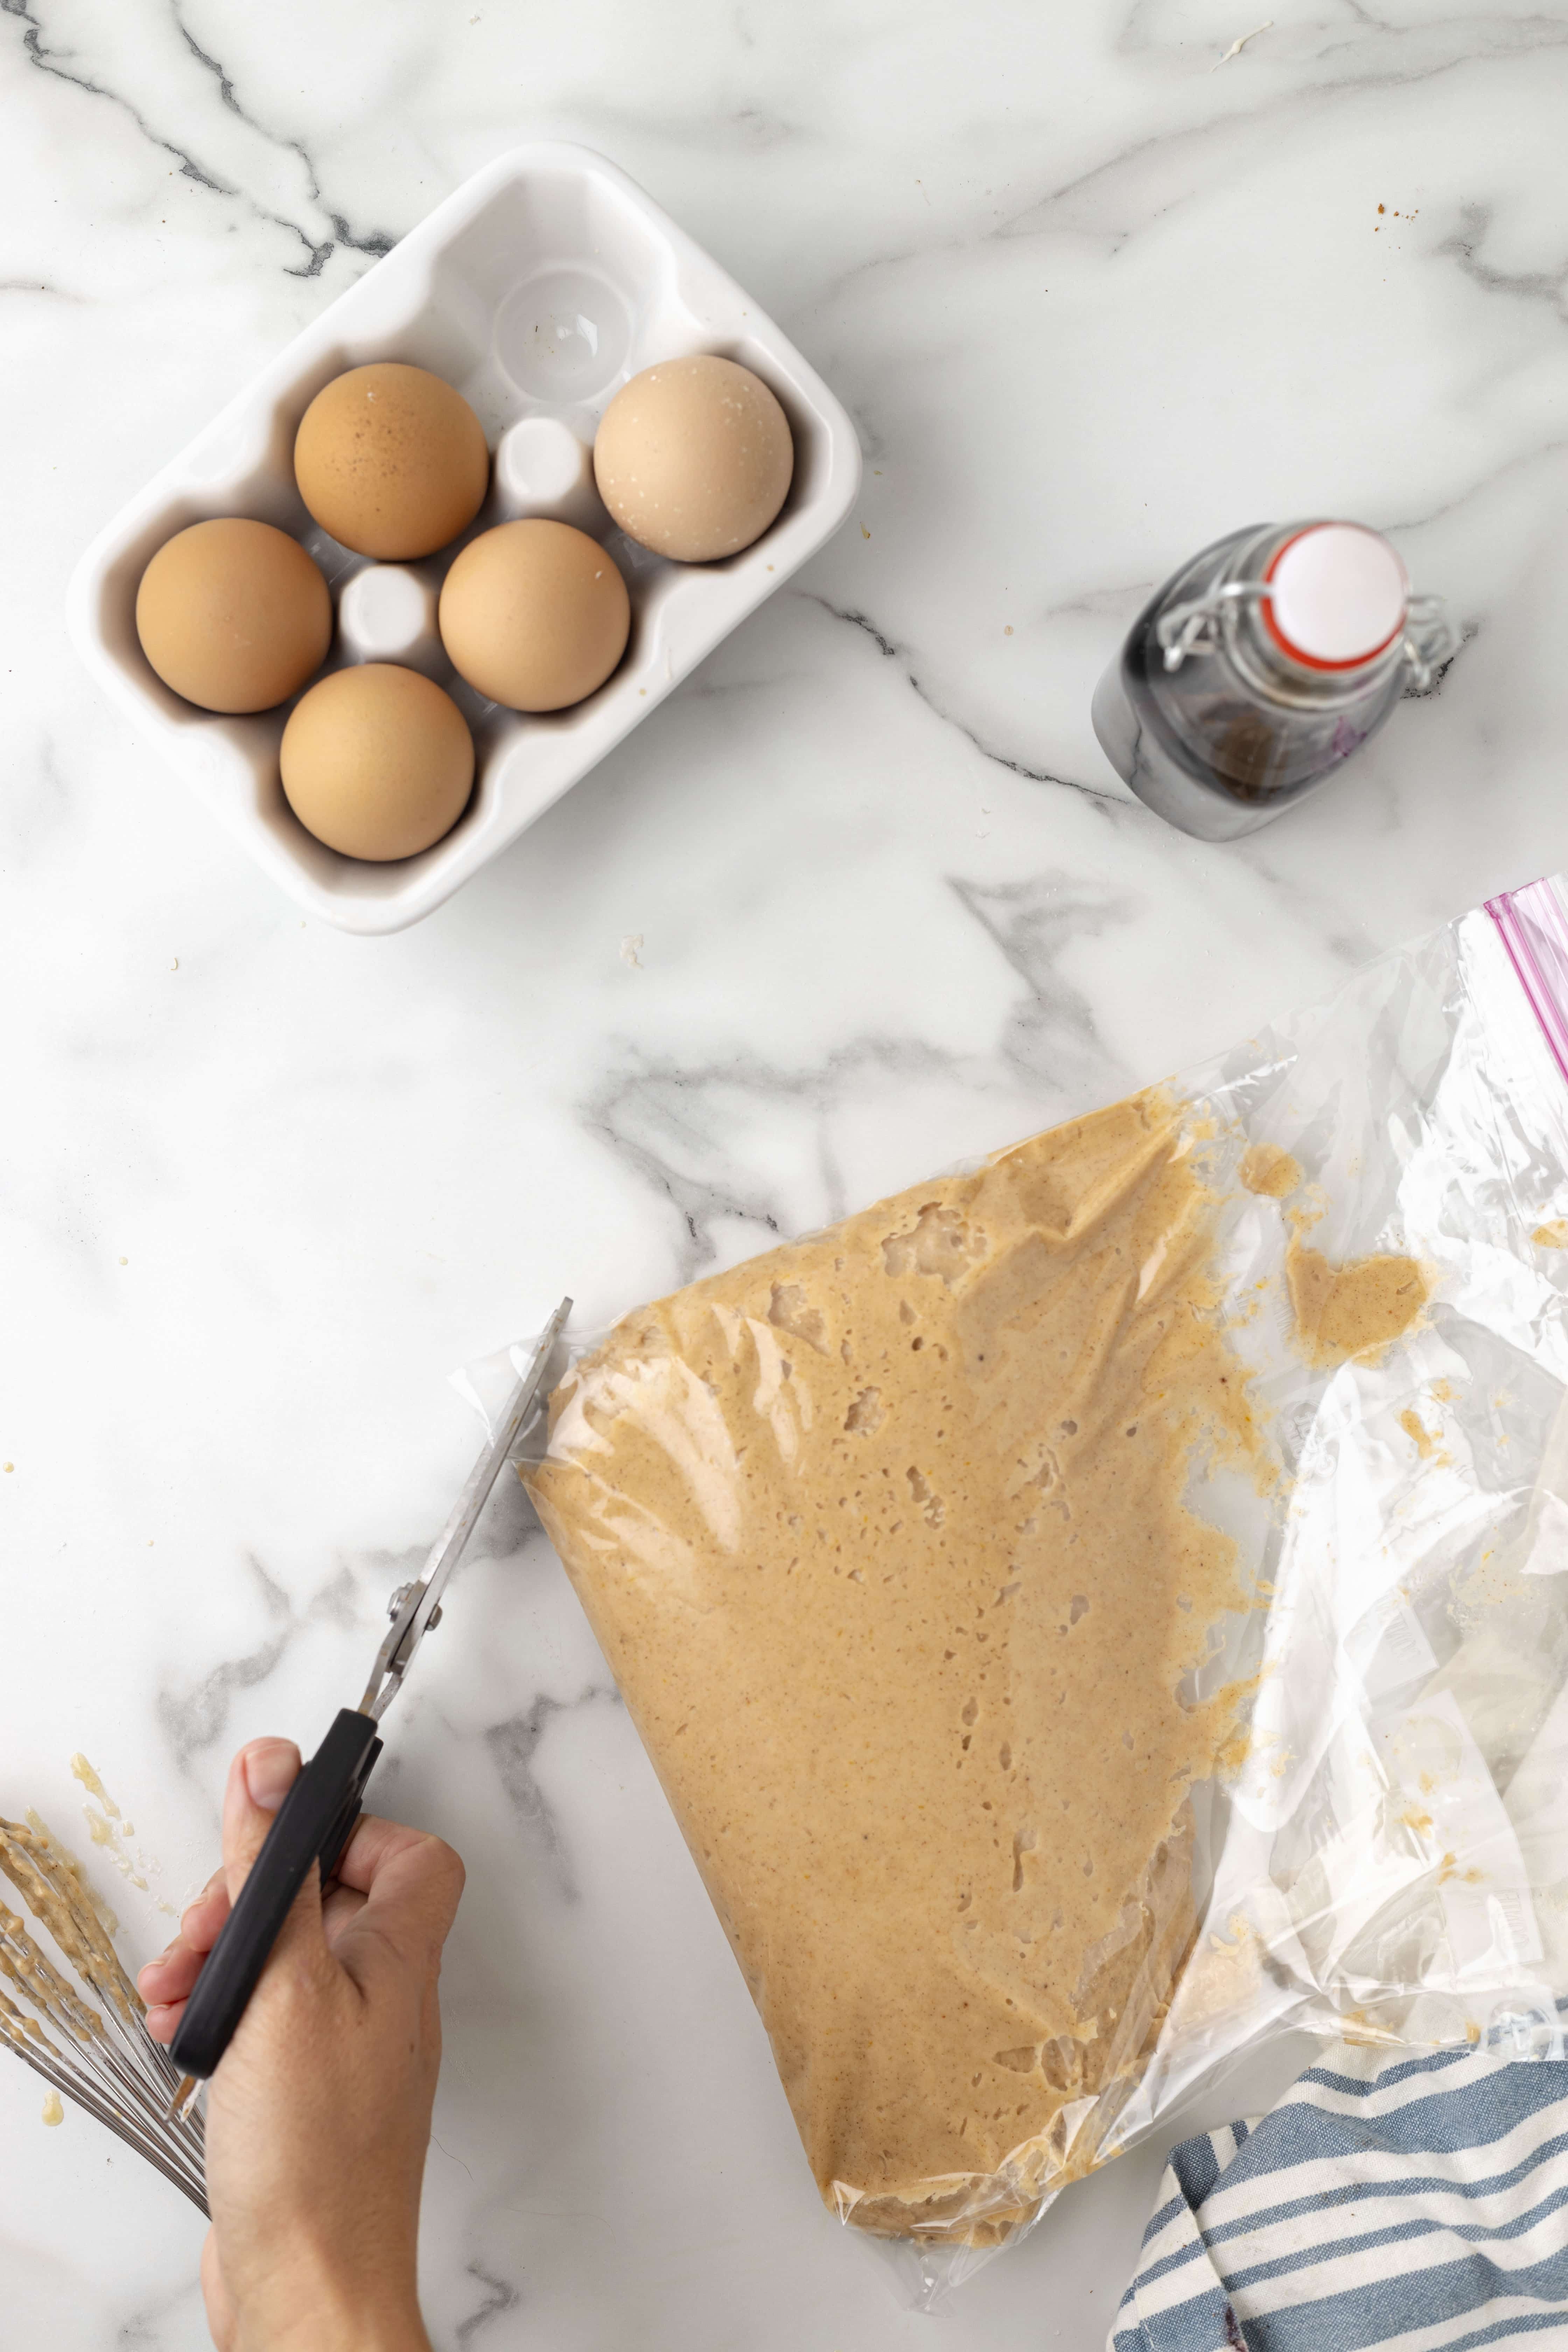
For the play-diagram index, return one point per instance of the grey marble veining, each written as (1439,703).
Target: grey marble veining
(1094,297)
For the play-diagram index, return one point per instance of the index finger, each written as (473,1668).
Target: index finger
(166,1983)
(411,1882)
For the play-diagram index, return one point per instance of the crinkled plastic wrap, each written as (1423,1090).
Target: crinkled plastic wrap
(1088,1612)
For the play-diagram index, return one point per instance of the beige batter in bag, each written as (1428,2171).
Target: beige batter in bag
(949,1561)
(886,1538)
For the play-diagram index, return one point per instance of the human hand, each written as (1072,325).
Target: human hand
(319,2117)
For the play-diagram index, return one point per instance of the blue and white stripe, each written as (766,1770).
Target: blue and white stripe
(1417,2205)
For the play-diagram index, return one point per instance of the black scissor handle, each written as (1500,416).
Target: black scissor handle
(312,1826)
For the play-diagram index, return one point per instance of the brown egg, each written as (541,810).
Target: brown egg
(233,614)
(392,461)
(534,614)
(694,457)
(377,762)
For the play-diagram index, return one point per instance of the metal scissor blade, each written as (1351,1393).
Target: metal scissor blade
(420,1601)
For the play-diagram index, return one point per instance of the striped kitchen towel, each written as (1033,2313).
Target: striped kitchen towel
(1419,2204)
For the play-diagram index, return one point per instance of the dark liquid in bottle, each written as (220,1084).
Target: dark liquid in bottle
(1230,739)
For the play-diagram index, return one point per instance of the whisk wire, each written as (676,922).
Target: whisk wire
(93,2044)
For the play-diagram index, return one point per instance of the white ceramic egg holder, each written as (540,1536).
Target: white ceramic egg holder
(537,289)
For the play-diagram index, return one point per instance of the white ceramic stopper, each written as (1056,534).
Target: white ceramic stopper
(387,614)
(1340,594)
(542,468)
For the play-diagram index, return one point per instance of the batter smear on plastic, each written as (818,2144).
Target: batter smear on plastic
(1355,1309)
(1271,1172)
(888,1538)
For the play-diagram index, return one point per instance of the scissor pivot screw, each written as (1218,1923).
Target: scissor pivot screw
(400,1600)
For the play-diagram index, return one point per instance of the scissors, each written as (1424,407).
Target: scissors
(313,1823)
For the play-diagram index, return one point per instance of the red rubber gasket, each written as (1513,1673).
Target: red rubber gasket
(1312,661)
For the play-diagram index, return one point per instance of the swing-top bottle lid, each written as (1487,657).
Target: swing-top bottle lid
(1340,596)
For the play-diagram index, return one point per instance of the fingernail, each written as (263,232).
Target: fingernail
(271,1768)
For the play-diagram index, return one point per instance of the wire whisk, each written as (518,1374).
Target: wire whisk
(88,2040)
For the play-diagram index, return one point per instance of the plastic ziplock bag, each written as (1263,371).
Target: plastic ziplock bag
(1093,1612)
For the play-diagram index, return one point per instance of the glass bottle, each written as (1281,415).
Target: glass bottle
(1260,667)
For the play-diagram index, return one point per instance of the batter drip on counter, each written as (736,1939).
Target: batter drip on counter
(888,1537)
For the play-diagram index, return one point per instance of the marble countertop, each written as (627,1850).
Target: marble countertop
(862,899)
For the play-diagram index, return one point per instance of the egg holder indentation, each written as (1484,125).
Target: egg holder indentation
(616,286)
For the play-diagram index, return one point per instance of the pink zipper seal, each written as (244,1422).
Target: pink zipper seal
(1533,924)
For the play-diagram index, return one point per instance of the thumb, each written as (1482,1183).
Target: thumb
(260,1778)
